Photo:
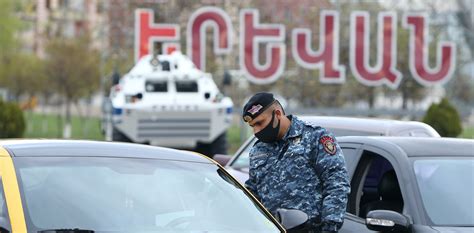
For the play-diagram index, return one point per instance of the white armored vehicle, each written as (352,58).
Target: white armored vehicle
(165,100)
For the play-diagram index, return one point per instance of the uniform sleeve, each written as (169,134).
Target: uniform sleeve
(335,182)
(251,183)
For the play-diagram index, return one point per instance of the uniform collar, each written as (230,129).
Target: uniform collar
(295,129)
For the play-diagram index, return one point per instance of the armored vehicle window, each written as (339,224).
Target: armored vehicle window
(165,65)
(186,86)
(156,86)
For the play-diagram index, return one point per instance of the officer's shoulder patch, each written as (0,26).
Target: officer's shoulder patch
(328,144)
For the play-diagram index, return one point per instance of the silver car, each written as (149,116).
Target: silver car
(238,165)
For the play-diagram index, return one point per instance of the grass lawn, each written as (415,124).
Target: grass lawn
(233,139)
(467,132)
(50,126)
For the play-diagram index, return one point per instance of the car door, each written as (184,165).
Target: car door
(352,155)
(375,175)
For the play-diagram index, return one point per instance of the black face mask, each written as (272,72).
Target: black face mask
(269,134)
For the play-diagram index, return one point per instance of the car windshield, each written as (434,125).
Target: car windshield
(134,195)
(446,187)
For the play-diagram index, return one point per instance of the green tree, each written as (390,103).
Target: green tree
(409,89)
(23,75)
(12,121)
(9,24)
(353,91)
(73,70)
(444,118)
(461,87)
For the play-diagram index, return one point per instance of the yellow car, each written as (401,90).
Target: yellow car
(84,186)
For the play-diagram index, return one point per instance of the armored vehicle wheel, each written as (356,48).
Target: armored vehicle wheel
(118,136)
(218,146)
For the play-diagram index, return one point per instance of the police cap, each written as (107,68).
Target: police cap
(256,105)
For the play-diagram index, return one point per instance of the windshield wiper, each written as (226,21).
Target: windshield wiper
(65,230)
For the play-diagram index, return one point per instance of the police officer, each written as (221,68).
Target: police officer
(296,165)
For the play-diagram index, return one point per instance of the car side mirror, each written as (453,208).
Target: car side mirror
(387,221)
(222,159)
(292,220)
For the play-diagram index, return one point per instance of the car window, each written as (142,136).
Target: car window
(374,186)
(404,134)
(348,132)
(135,195)
(446,188)
(4,219)
(419,133)
(351,156)
(413,133)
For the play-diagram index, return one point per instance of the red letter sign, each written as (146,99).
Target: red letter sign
(418,60)
(327,57)
(220,22)
(147,32)
(384,71)
(251,35)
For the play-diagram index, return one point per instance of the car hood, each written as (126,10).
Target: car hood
(454,229)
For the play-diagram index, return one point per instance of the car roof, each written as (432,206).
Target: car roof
(419,146)
(386,127)
(80,148)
